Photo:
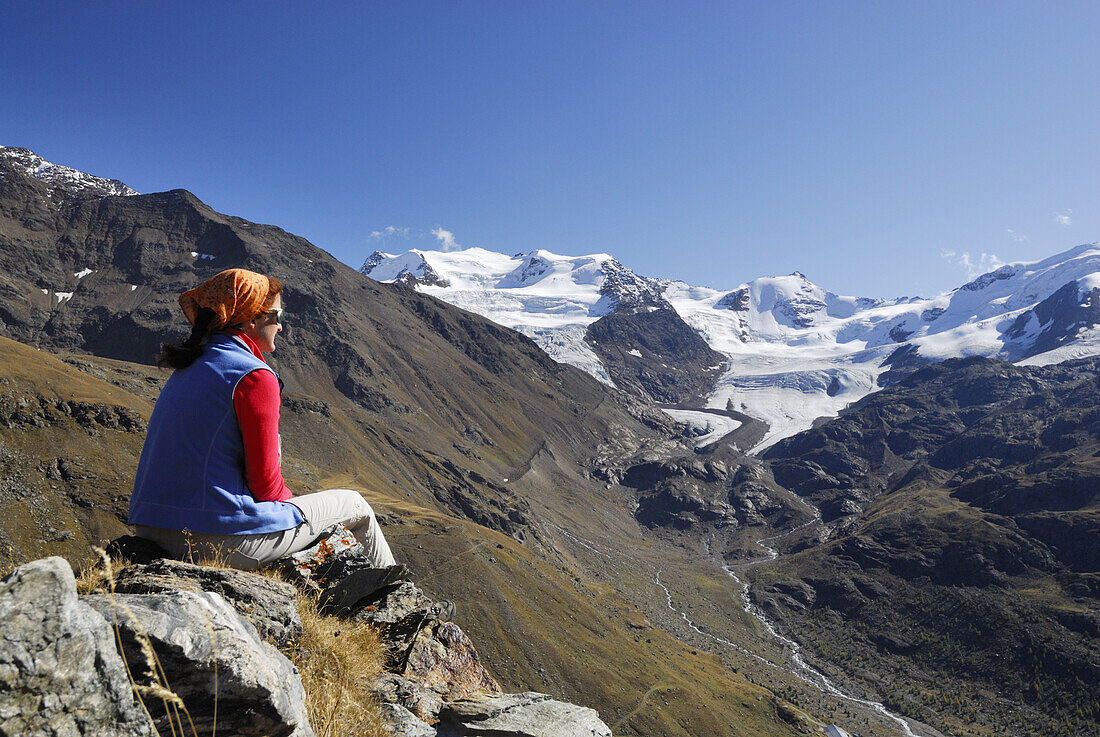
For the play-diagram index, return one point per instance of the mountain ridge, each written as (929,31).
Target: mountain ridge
(474,445)
(572,522)
(67,178)
(792,351)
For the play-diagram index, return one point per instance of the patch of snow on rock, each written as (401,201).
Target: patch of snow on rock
(712,427)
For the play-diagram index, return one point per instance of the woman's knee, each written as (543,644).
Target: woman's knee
(356,508)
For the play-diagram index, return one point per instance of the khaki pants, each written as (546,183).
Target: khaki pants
(321,511)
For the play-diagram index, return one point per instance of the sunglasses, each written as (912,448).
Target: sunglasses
(278,315)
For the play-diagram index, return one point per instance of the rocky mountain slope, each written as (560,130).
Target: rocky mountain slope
(582,536)
(791,351)
(69,180)
(474,445)
(933,547)
(961,514)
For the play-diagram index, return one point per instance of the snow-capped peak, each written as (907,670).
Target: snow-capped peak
(796,351)
(550,298)
(597,281)
(76,182)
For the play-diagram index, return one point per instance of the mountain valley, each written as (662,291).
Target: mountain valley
(932,507)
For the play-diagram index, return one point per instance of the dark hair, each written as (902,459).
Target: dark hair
(183,354)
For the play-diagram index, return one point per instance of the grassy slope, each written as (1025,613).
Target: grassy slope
(51,510)
(542,618)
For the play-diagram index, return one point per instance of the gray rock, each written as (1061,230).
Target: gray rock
(392,688)
(305,568)
(403,723)
(350,580)
(392,604)
(519,715)
(214,661)
(60,673)
(267,604)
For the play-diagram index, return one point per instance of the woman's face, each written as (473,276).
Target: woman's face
(264,328)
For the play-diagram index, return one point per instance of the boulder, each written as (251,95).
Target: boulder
(304,568)
(60,673)
(216,663)
(388,606)
(338,571)
(403,723)
(393,689)
(441,657)
(519,715)
(348,579)
(269,605)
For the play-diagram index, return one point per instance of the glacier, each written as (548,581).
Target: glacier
(796,352)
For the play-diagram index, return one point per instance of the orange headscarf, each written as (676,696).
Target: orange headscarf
(235,296)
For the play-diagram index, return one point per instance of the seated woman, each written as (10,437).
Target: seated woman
(209,481)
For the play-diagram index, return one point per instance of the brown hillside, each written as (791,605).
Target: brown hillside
(471,442)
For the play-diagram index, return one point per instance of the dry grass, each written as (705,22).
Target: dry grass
(101,578)
(97,577)
(337,660)
(7,565)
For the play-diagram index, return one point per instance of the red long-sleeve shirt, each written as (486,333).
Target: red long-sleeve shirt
(256,401)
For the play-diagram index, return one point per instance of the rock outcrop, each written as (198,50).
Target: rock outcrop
(269,605)
(192,642)
(60,673)
(213,660)
(523,715)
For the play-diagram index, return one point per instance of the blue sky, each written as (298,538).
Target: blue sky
(881,148)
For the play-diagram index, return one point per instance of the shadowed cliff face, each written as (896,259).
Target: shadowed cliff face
(655,354)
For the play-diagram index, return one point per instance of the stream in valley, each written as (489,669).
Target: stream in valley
(794,663)
(792,650)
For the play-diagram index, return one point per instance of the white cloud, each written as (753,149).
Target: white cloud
(986,263)
(1018,237)
(1063,218)
(439,238)
(390,231)
(446,239)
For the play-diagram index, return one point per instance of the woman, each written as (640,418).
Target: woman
(209,481)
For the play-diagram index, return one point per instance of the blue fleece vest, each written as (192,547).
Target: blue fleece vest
(191,472)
